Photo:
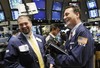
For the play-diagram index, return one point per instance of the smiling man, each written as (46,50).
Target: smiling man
(27,50)
(80,45)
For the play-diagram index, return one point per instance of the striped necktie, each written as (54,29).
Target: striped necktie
(36,49)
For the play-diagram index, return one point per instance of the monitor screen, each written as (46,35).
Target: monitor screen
(74,3)
(56,15)
(14,3)
(91,5)
(57,6)
(36,29)
(2,17)
(93,13)
(40,15)
(14,14)
(40,4)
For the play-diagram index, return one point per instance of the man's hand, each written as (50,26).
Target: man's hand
(51,66)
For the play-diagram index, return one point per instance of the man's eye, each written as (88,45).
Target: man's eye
(25,23)
(66,14)
(21,24)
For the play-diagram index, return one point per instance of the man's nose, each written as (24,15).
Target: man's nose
(64,17)
(24,25)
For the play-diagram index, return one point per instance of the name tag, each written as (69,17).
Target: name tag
(24,48)
(71,43)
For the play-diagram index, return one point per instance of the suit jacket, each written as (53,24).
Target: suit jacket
(19,53)
(79,55)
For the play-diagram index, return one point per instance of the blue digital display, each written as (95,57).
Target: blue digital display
(2,18)
(93,13)
(91,5)
(56,15)
(34,29)
(40,4)
(40,15)
(14,3)
(57,6)
(15,14)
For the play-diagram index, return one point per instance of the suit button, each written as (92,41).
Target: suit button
(37,61)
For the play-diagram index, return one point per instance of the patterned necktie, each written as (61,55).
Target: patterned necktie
(37,51)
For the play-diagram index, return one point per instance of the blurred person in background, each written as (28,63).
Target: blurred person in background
(53,37)
(54,31)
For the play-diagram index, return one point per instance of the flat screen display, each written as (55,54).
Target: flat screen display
(57,6)
(56,15)
(40,4)
(36,29)
(93,13)
(2,17)
(40,15)
(91,5)
(14,3)
(14,14)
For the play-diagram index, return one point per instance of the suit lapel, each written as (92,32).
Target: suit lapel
(22,38)
(74,38)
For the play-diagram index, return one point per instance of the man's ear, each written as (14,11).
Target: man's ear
(77,14)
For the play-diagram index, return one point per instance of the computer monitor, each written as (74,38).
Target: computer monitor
(41,15)
(2,17)
(91,5)
(14,3)
(57,6)
(40,4)
(14,14)
(93,13)
(56,15)
(36,29)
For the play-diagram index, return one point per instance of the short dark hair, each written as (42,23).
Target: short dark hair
(75,8)
(24,16)
(54,27)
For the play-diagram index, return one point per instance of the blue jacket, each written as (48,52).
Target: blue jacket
(79,55)
(19,53)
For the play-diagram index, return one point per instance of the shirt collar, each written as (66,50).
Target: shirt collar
(27,35)
(14,35)
(52,35)
(76,27)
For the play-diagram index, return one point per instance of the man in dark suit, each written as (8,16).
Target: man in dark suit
(52,37)
(80,45)
(22,52)
(54,30)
